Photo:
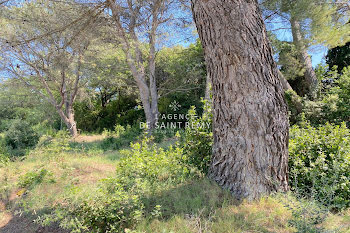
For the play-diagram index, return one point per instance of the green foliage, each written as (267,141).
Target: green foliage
(120,137)
(307,214)
(100,212)
(294,102)
(18,102)
(321,22)
(182,68)
(3,157)
(92,116)
(19,137)
(30,179)
(339,56)
(120,201)
(198,141)
(183,77)
(152,168)
(332,105)
(343,92)
(319,163)
(288,59)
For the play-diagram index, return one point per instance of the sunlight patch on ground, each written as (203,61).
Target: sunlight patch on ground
(89,138)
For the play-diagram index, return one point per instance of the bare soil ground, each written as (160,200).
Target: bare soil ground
(10,223)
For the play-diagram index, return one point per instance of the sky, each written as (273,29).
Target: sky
(284,33)
(317,53)
(190,35)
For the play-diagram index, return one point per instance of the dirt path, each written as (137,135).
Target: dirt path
(5,217)
(10,223)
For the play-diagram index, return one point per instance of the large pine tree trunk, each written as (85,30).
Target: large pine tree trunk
(250,125)
(310,75)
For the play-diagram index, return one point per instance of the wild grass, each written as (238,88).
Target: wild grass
(148,189)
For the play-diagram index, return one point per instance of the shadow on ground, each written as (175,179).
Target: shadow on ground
(10,223)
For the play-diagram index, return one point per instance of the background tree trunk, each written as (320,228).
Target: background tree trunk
(285,84)
(153,80)
(250,126)
(208,86)
(310,75)
(69,120)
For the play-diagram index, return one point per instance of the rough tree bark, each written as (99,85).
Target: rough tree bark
(250,124)
(310,75)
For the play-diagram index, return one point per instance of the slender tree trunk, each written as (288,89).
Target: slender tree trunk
(69,120)
(153,81)
(285,84)
(208,86)
(250,126)
(310,75)
(145,93)
(146,103)
(148,93)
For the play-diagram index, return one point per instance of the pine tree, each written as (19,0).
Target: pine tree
(311,22)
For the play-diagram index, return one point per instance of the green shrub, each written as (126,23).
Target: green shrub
(3,159)
(100,212)
(32,178)
(53,146)
(119,138)
(198,141)
(119,201)
(307,215)
(319,163)
(295,105)
(152,166)
(343,91)
(19,137)
(332,104)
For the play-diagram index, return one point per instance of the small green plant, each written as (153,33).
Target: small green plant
(119,130)
(319,163)
(295,105)
(19,137)
(30,179)
(198,140)
(3,158)
(53,146)
(121,137)
(332,104)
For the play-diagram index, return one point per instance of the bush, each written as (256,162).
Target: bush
(152,166)
(295,105)
(30,179)
(319,163)
(3,159)
(120,201)
(120,137)
(332,104)
(198,141)
(19,137)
